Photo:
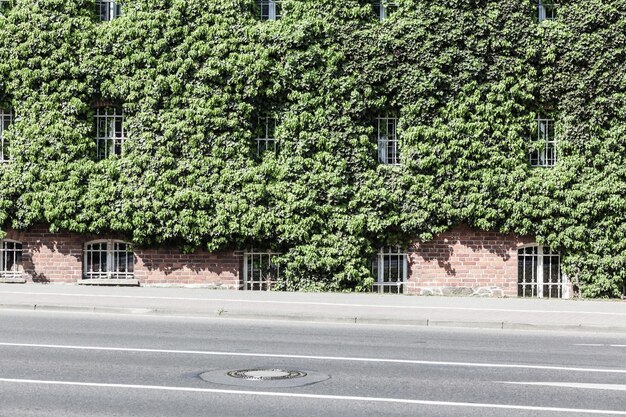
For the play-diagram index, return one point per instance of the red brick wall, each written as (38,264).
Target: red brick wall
(58,257)
(463,261)
(460,261)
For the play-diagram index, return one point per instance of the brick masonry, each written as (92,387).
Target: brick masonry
(58,258)
(463,261)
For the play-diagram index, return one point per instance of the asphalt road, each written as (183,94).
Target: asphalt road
(72,364)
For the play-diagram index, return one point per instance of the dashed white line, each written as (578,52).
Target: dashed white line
(317,396)
(605,387)
(313,357)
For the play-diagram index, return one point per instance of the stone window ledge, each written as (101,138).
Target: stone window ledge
(109,281)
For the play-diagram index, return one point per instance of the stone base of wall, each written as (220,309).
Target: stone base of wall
(58,258)
(467,262)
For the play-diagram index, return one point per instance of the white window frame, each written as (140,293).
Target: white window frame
(259,279)
(112,10)
(538,279)
(110,132)
(546,10)
(387,140)
(15,254)
(113,270)
(273,9)
(383,273)
(383,9)
(546,136)
(266,139)
(6,119)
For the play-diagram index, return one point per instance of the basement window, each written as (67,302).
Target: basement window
(108,259)
(539,273)
(107,10)
(387,138)
(6,118)
(546,10)
(270,9)
(10,259)
(266,135)
(389,269)
(259,270)
(110,132)
(543,153)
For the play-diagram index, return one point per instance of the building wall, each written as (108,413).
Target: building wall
(463,261)
(58,258)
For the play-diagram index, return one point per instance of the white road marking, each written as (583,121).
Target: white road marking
(323,358)
(221,300)
(606,387)
(598,345)
(317,396)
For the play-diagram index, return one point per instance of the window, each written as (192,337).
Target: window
(546,11)
(6,118)
(259,270)
(270,9)
(388,147)
(382,10)
(108,9)
(539,273)
(266,135)
(108,259)
(544,154)
(10,259)
(389,269)
(110,133)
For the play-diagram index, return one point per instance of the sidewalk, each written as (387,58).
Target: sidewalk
(496,313)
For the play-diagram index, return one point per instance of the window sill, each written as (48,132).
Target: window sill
(12,280)
(109,281)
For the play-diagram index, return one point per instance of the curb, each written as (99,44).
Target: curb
(249,315)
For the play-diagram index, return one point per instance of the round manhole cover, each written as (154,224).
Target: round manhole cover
(266,374)
(267,377)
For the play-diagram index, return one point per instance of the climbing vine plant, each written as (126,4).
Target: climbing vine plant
(467,80)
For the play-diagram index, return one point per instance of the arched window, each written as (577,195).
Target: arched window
(10,259)
(539,273)
(108,259)
(110,131)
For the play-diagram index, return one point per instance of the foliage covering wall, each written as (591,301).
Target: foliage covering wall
(467,78)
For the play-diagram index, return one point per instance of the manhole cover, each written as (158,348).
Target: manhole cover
(267,377)
(266,374)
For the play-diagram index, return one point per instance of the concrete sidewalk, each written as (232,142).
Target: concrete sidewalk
(498,313)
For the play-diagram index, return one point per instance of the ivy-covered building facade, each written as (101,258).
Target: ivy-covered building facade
(472,147)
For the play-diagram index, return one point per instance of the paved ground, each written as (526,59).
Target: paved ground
(84,364)
(346,308)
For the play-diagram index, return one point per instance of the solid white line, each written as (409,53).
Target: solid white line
(589,344)
(317,396)
(606,387)
(145,297)
(323,358)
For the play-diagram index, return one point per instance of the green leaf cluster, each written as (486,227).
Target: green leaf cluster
(467,79)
